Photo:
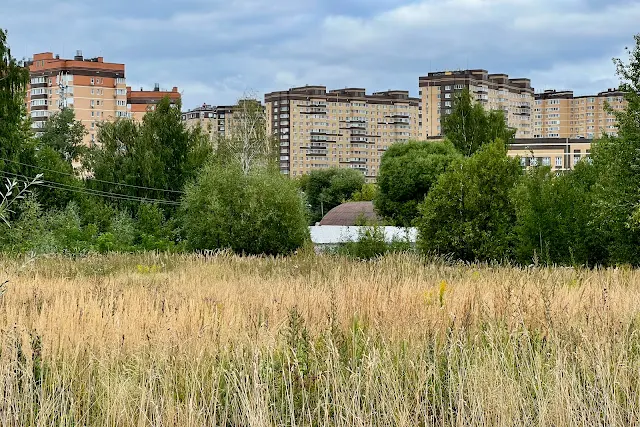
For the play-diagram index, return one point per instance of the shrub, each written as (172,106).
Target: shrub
(469,212)
(371,243)
(260,212)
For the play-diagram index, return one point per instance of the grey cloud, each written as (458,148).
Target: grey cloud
(216,50)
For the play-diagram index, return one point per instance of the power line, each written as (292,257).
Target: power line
(66,187)
(94,179)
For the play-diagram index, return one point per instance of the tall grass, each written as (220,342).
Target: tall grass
(315,340)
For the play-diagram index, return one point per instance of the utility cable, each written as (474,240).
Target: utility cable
(93,179)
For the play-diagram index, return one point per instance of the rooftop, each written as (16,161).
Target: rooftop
(351,213)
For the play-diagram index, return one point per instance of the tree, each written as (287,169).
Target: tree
(247,143)
(160,154)
(469,126)
(259,212)
(368,193)
(16,144)
(64,134)
(617,160)
(407,172)
(326,189)
(554,216)
(468,213)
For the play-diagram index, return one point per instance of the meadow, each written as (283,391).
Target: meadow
(174,340)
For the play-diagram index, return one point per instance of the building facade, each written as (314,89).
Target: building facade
(96,90)
(348,128)
(560,114)
(142,101)
(558,153)
(515,97)
(214,120)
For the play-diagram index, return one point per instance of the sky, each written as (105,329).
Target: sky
(217,51)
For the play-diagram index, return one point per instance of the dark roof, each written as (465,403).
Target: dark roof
(351,213)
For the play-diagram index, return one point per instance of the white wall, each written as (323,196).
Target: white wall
(333,234)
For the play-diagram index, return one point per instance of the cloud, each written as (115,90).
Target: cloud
(216,50)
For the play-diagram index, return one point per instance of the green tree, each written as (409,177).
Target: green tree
(16,144)
(617,160)
(160,153)
(554,216)
(407,172)
(469,126)
(260,212)
(326,189)
(368,193)
(469,213)
(64,134)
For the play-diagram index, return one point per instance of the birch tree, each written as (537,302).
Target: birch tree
(247,141)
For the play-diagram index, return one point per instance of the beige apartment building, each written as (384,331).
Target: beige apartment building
(560,114)
(348,128)
(559,153)
(95,89)
(214,120)
(494,91)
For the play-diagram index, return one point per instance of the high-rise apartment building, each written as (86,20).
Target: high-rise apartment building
(560,114)
(95,89)
(494,91)
(140,102)
(214,120)
(347,128)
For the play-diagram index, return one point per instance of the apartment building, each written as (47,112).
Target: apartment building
(214,120)
(559,153)
(346,128)
(142,101)
(560,114)
(95,89)
(494,91)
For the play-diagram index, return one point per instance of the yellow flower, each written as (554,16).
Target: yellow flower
(442,290)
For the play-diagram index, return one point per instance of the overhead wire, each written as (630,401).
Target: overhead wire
(92,192)
(94,179)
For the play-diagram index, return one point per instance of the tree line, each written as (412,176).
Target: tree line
(159,185)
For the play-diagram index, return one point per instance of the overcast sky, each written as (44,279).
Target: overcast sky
(216,50)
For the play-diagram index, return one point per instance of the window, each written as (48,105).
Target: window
(558,161)
(546,161)
(447,96)
(447,88)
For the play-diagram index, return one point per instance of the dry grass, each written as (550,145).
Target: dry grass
(306,340)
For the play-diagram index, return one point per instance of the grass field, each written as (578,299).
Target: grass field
(315,340)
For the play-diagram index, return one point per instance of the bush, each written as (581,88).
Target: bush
(256,213)
(469,212)
(371,243)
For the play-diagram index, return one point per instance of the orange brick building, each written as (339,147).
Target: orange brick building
(143,101)
(95,89)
